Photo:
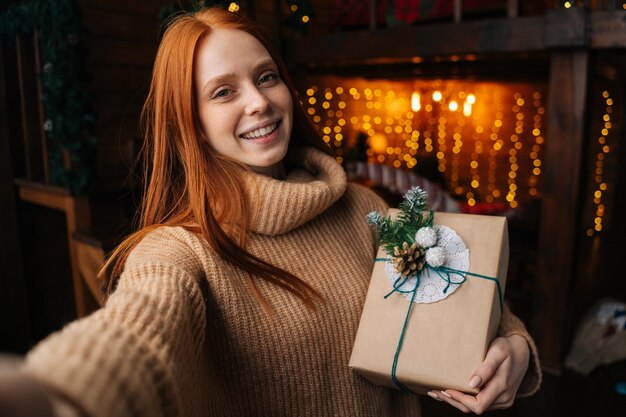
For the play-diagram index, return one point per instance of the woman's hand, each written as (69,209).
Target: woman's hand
(498,377)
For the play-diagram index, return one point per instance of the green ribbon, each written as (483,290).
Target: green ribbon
(445,273)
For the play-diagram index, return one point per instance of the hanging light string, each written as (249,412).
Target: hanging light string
(600,185)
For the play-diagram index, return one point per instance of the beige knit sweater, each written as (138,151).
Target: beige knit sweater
(183,336)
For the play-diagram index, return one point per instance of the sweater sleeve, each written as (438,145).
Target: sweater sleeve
(127,358)
(511,325)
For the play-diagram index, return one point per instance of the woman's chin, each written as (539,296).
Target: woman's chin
(267,156)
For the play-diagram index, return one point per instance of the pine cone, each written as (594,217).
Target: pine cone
(408,259)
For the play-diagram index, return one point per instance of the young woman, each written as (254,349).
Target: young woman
(240,294)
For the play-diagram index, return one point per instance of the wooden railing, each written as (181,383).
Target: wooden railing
(32,172)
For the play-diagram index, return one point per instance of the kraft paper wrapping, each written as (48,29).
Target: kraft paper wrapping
(444,341)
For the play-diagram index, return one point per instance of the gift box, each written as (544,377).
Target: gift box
(437,345)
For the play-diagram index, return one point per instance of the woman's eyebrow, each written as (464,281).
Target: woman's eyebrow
(219,79)
(269,62)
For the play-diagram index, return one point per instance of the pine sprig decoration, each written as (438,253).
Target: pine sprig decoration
(389,232)
(400,232)
(410,219)
(414,204)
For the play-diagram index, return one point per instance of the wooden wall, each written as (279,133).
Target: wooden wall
(14,315)
(121,45)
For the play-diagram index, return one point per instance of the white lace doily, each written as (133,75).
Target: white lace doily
(431,284)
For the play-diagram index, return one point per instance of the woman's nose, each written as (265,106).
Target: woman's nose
(257,102)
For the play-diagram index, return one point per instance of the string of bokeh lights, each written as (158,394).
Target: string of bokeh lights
(599,180)
(404,124)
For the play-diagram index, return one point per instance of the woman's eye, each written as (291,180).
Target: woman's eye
(222,93)
(267,78)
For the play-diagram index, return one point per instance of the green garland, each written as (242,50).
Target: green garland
(69,117)
(409,240)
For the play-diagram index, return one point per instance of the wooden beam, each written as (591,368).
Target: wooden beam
(608,29)
(525,34)
(560,202)
(42,194)
(566,28)
(559,28)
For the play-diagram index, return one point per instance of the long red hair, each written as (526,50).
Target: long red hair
(185,182)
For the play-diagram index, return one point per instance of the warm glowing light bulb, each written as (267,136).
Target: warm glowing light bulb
(471,98)
(305,19)
(378,143)
(437,96)
(567,4)
(467,109)
(415,101)
(453,106)
(233,7)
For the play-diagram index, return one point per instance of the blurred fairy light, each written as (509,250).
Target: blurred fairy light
(600,184)
(516,145)
(415,101)
(535,154)
(467,109)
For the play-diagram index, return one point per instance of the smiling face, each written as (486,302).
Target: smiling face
(244,107)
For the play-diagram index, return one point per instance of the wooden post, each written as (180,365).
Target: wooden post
(560,211)
(30,105)
(373,15)
(458,11)
(77,215)
(41,112)
(512,8)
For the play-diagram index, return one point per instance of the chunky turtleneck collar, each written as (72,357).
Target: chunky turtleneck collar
(313,185)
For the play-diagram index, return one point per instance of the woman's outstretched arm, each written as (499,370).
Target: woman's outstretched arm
(142,352)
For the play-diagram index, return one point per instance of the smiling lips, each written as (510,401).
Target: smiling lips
(261,132)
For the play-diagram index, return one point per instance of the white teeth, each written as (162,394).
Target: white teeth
(264,131)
